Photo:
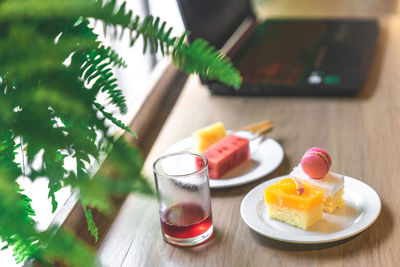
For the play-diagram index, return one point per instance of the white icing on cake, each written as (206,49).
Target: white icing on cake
(331,183)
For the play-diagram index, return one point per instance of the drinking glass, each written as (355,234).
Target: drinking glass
(184,198)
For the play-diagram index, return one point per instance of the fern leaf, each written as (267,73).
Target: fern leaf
(98,68)
(91,225)
(203,59)
(16,224)
(198,57)
(117,122)
(48,98)
(114,58)
(63,246)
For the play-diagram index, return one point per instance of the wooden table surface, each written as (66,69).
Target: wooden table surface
(362,135)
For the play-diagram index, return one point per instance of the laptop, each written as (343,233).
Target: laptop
(321,57)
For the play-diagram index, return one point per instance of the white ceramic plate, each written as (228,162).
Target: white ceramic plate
(265,157)
(363,206)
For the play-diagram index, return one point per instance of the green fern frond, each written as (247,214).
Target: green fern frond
(53,66)
(18,60)
(16,224)
(114,120)
(54,168)
(199,57)
(95,193)
(115,59)
(98,69)
(62,246)
(128,162)
(94,231)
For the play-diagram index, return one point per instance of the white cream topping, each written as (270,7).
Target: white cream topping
(331,183)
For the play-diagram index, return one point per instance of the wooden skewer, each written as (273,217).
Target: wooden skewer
(256,127)
(263,131)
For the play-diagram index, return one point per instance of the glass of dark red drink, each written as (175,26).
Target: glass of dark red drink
(184,198)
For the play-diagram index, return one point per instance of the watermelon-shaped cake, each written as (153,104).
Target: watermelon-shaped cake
(226,154)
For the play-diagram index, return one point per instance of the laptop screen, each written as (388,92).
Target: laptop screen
(280,52)
(214,20)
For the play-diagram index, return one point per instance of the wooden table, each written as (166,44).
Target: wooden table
(361,134)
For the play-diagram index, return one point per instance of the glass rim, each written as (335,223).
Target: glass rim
(180,153)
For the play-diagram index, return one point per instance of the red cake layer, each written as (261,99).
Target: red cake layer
(226,154)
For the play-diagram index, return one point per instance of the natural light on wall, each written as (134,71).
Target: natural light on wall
(135,81)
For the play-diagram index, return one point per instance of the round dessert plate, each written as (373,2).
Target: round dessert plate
(362,207)
(265,156)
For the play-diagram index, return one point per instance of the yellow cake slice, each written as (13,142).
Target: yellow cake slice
(332,184)
(300,208)
(331,203)
(207,136)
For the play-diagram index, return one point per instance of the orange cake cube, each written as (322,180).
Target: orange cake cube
(205,137)
(286,204)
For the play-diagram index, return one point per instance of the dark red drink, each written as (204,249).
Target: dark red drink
(185,220)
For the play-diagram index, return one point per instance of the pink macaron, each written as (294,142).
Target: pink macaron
(316,162)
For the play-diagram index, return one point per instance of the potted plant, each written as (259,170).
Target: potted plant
(49,110)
